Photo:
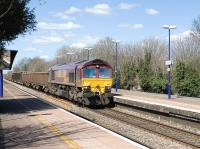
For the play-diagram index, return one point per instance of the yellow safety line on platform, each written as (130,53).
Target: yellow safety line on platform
(54,129)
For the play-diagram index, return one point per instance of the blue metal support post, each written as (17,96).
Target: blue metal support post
(169,62)
(169,71)
(116,70)
(1,83)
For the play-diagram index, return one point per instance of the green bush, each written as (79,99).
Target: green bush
(144,72)
(187,81)
(128,75)
(158,83)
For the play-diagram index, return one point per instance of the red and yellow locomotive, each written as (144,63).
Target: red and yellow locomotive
(85,82)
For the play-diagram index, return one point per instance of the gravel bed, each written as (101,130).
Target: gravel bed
(131,132)
(170,121)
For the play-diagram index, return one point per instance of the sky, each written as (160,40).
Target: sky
(81,23)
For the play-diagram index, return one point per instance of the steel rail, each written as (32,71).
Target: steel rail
(178,135)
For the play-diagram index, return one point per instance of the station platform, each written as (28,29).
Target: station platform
(187,107)
(27,122)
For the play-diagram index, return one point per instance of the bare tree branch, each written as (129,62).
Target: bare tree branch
(10,6)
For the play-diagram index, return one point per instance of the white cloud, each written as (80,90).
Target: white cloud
(44,57)
(48,39)
(69,35)
(72,10)
(102,9)
(84,41)
(132,26)
(126,6)
(30,49)
(180,36)
(78,45)
(64,16)
(58,26)
(151,11)
(89,40)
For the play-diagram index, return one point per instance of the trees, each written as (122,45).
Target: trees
(32,64)
(196,29)
(104,49)
(158,82)
(188,51)
(187,80)
(67,54)
(15,18)
(141,64)
(128,76)
(145,72)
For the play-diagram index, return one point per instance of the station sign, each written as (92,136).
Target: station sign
(6,59)
(167,63)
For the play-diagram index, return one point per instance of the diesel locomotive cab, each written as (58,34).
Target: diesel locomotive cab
(97,81)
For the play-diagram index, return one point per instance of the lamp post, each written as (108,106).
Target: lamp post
(57,59)
(88,52)
(70,55)
(116,64)
(169,62)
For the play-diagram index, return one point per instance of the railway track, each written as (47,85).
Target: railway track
(178,135)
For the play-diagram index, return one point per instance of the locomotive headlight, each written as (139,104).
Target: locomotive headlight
(107,88)
(87,88)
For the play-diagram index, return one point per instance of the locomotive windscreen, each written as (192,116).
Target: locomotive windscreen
(89,72)
(104,72)
(97,72)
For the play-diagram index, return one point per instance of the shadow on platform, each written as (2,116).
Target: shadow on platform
(22,105)
(1,137)
(17,106)
(40,136)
